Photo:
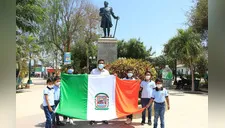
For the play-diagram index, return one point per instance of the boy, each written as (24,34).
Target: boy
(57,98)
(159,96)
(48,103)
(129,77)
(147,87)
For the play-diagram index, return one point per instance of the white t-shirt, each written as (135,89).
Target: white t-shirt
(50,93)
(96,71)
(147,89)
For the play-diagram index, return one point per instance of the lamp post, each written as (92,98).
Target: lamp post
(29,82)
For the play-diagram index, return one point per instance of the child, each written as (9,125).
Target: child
(48,103)
(129,77)
(147,87)
(57,98)
(159,96)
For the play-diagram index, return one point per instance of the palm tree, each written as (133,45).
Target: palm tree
(186,47)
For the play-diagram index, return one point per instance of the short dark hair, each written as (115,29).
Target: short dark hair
(158,80)
(49,80)
(148,72)
(56,78)
(101,60)
(129,69)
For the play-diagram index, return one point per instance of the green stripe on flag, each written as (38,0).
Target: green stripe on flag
(73,96)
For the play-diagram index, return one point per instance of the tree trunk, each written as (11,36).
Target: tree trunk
(175,73)
(192,79)
(88,58)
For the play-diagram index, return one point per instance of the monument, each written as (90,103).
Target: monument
(107,45)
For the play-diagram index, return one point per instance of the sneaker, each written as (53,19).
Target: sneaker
(105,122)
(91,122)
(71,122)
(142,123)
(128,121)
(150,123)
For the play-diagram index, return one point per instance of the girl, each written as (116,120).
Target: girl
(159,96)
(147,87)
(48,103)
(129,77)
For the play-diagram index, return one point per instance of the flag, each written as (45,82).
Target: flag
(97,97)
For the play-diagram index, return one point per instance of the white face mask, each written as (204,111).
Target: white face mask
(50,86)
(129,75)
(159,85)
(57,83)
(147,77)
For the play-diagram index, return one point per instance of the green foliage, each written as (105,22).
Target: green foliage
(139,67)
(202,65)
(198,17)
(134,49)
(29,14)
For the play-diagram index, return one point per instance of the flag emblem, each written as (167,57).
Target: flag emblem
(101,101)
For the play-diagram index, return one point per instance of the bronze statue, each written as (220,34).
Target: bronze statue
(106,22)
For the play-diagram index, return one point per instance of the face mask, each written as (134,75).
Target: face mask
(147,77)
(159,85)
(100,66)
(70,71)
(129,74)
(50,86)
(58,83)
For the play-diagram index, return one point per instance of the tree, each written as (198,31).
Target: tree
(25,45)
(134,49)
(188,46)
(29,14)
(198,18)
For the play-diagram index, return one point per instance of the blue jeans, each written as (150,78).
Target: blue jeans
(56,119)
(159,112)
(144,102)
(49,116)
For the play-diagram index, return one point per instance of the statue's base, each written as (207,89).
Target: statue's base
(107,49)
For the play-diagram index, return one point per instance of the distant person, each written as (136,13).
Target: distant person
(147,87)
(129,77)
(99,71)
(159,96)
(57,99)
(48,103)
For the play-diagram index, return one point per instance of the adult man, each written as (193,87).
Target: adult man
(106,22)
(99,71)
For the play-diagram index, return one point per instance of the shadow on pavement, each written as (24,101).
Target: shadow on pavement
(41,125)
(85,124)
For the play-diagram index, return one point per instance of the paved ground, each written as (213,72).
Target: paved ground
(187,111)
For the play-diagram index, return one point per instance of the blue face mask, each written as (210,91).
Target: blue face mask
(70,71)
(129,75)
(100,66)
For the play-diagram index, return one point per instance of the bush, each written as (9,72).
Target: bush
(139,67)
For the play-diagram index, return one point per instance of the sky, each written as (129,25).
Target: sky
(153,21)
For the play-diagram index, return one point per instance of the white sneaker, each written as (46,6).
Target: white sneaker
(71,122)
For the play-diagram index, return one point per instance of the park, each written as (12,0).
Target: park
(61,34)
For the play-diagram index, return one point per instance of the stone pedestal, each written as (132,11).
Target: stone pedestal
(107,49)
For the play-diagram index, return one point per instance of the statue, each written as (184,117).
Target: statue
(106,22)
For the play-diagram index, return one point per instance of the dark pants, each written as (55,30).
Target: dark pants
(130,116)
(159,112)
(144,102)
(49,116)
(56,119)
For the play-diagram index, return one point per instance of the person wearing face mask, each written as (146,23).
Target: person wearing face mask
(129,77)
(57,98)
(147,87)
(159,96)
(65,118)
(48,103)
(99,71)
